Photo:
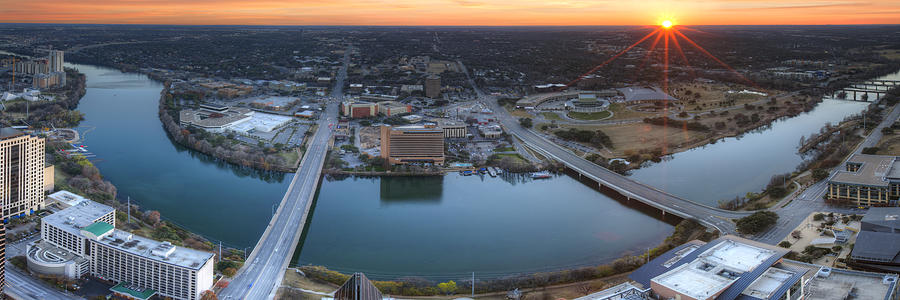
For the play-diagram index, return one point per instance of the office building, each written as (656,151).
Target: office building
(82,239)
(877,245)
(412,144)
(21,173)
(731,268)
(866,180)
(393,108)
(55,59)
(359,109)
(433,86)
(453,129)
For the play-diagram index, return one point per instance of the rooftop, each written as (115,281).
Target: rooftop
(876,246)
(67,198)
(765,286)
(98,228)
(837,284)
(884,216)
(135,292)
(160,251)
(715,269)
(873,170)
(7,132)
(76,217)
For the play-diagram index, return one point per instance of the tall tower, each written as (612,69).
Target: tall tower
(433,86)
(56,60)
(21,173)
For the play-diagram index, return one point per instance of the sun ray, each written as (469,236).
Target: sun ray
(713,57)
(612,58)
(683,57)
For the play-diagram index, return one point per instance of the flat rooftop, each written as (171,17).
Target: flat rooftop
(8,132)
(768,284)
(67,198)
(841,284)
(152,249)
(873,171)
(72,219)
(715,269)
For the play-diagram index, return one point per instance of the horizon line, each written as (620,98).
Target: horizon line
(471,25)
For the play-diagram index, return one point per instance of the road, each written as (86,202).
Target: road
(261,275)
(711,216)
(20,285)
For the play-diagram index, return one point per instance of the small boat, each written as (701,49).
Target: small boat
(492,171)
(466,173)
(541,175)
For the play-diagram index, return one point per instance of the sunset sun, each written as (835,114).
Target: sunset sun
(667,24)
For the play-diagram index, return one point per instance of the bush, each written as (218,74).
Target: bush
(870,150)
(757,222)
(819,174)
(784,244)
(819,217)
(526,122)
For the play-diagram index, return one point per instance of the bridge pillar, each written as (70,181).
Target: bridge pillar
(854,96)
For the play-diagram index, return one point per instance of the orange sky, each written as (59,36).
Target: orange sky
(451,12)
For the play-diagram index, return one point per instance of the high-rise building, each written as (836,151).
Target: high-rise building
(412,144)
(56,61)
(433,86)
(21,173)
(37,66)
(2,256)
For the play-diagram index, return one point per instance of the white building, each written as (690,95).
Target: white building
(62,249)
(176,272)
(82,239)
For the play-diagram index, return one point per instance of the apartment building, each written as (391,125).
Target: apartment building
(21,173)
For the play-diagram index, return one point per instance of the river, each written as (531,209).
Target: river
(737,165)
(435,226)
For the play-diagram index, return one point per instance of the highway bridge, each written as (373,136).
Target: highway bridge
(712,217)
(263,271)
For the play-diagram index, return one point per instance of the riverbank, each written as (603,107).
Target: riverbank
(323,278)
(222,147)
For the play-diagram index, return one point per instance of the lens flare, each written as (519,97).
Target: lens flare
(667,24)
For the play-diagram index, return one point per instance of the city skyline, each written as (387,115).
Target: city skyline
(455,12)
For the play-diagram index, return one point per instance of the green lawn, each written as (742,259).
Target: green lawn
(551,116)
(590,116)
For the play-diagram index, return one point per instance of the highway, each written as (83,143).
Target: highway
(261,275)
(711,216)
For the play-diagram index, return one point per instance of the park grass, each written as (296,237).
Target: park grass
(889,145)
(590,116)
(551,116)
(634,137)
(291,156)
(621,112)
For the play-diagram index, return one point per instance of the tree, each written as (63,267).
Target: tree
(757,222)
(784,244)
(526,122)
(209,295)
(819,174)
(152,217)
(448,287)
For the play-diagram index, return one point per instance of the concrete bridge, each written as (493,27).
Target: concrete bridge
(262,273)
(712,217)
